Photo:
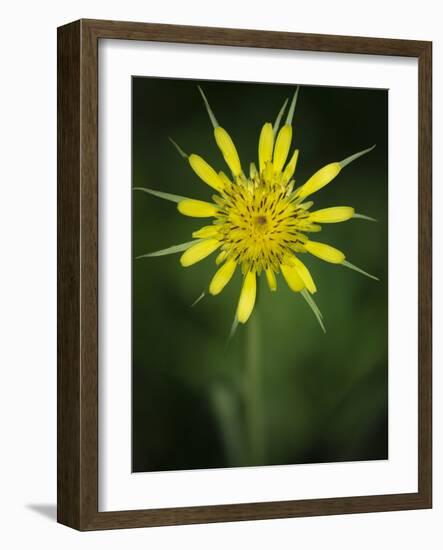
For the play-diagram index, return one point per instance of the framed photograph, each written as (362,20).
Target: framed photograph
(244,275)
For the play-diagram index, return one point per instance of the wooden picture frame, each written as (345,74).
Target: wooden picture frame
(78,274)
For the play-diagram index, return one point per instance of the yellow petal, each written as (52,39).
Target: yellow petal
(324,252)
(265,145)
(222,277)
(290,167)
(268,172)
(221,257)
(206,232)
(199,251)
(290,273)
(306,205)
(306,226)
(282,145)
(205,172)
(334,214)
(226,181)
(326,174)
(227,147)
(272,281)
(321,178)
(197,209)
(252,171)
(247,297)
(304,273)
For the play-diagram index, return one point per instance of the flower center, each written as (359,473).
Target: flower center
(258,225)
(261,220)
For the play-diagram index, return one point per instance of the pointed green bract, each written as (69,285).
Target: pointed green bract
(170,250)
(197,300)
(355,156)
(279,117)
(292,107)
(179,149)
(312,303)
(208,108)
(315,310)
(363,217)
(161,195)
(355,268)
(233,328)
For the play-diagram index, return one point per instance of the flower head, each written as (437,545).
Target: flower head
(261,223)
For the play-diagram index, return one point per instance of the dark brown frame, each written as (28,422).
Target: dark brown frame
(77,274)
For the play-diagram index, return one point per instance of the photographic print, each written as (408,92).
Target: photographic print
(259,274)
(229,347)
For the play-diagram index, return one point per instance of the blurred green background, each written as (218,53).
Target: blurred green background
(322,397)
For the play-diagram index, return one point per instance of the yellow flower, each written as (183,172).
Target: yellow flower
(260,222)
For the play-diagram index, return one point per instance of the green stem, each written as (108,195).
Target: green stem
(226,406)
(253,389)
